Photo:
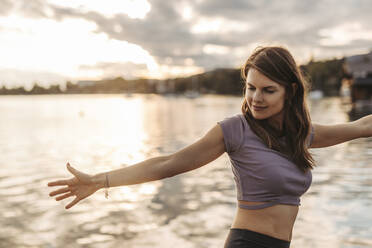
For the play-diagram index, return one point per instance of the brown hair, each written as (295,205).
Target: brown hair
(278,64)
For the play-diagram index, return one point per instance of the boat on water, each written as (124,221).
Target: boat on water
(316,94)
(191,94)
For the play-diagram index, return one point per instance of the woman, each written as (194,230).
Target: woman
(267,145)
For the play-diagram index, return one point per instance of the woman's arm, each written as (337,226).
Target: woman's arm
(329,135)
(205,150)
(82,185)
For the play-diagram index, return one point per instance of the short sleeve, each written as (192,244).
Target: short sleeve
(232,128)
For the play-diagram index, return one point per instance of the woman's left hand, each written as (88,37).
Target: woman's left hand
(81,186)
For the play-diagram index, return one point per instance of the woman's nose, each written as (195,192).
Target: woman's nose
(257,96)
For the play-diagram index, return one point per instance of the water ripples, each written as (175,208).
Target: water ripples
(195,209)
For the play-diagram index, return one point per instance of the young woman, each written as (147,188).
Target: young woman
(267,145)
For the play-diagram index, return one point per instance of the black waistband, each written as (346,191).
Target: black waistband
(263,239)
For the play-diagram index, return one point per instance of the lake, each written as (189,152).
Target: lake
(96,133)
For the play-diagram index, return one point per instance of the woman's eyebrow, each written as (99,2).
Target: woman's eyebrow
(271,86)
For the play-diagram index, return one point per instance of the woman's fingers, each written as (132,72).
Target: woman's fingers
(80,186)
(61,182)
(62,190)
(76,200)
(70,181)
(64,196)
(72,170)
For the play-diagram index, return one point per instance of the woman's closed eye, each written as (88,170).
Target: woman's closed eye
(268,91)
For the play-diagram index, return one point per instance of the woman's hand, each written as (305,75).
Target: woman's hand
(81,186)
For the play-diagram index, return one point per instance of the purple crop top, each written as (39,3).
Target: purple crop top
(261,174)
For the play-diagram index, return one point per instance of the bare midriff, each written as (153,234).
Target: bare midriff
(276,221)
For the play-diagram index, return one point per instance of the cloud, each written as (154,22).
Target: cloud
(162,32)
(33,9)
(127,70)
(5,7)
(174,32)
(165,33)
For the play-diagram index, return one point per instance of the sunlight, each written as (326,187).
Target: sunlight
(134,193)
(129,194)
(46,47)
(128,129)
(185,10)
(167,71)
(187,13)
(149,188)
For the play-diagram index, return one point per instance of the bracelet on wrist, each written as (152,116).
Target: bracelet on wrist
(107,186)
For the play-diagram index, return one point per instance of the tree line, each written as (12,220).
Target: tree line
(322,75)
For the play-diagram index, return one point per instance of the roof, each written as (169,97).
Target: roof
(359,65)
(362,82)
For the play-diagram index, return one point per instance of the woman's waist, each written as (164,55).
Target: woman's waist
(276,221)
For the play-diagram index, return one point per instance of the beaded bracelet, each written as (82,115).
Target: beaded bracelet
(106,186)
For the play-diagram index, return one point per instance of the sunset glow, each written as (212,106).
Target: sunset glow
(53,41)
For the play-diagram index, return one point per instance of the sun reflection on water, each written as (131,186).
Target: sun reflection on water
(101,132)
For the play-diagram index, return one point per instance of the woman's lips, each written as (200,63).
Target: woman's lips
(256,108)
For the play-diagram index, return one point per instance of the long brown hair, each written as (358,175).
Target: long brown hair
(278,64)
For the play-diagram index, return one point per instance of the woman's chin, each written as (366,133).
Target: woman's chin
(259,117)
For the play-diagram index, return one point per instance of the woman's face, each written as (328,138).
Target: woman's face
(265,97)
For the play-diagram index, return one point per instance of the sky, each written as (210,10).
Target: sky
(51,41)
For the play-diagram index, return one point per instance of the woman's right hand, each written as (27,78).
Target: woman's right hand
(80,185)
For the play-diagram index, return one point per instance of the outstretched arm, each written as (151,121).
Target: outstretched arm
(329,135)
(82,185)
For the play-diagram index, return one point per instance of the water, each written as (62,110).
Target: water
(95,133)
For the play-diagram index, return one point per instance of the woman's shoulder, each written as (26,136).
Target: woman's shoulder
(235,128)
(237,119)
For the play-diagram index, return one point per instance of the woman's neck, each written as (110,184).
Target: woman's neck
(277,121)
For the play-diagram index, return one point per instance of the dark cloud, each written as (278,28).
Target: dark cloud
(228,9)
(165,34)
(291,21)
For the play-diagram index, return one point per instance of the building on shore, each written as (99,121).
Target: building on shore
(358,82)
